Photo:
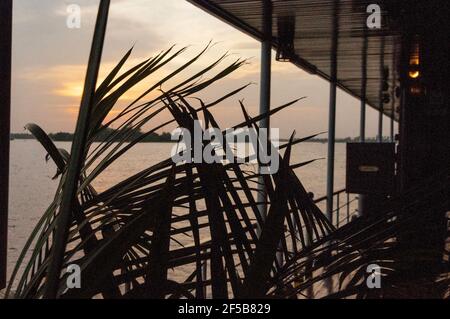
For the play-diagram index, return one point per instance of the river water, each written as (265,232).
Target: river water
(32,188)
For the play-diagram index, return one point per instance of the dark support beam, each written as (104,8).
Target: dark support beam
(362,123)
(393,85)
(332,112)
(265,87)
(380,124)
(424,145)
(381,103)
(5,115)
(392,135)
(332,121)
(266,64)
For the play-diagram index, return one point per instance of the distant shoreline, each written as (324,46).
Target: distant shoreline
(67,137)
(342,140)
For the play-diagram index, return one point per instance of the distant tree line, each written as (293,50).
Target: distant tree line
(68,137)
(166,137)
(348,140)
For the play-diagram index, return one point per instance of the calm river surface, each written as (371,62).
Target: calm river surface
(32,188)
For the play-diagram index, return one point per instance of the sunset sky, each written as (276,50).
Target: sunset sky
(49,64)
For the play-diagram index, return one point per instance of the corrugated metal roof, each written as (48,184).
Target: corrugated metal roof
(313,39)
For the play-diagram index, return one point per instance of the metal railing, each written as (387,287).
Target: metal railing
(346,206)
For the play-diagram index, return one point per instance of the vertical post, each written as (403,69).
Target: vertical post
(381,104)
(5,115)
(205,274)
(264,103)
(362,123)
(380,123)
(332,113)
(338,209)
(392,135)
(348,207)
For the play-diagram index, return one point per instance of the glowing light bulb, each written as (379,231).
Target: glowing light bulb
(414,74)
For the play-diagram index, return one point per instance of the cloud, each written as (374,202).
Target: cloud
(246,45)
(49,61)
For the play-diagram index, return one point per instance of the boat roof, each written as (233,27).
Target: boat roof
(314,21)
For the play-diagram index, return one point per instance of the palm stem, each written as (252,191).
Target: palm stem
(78,153)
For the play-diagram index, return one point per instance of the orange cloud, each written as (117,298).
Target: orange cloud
(70,89)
